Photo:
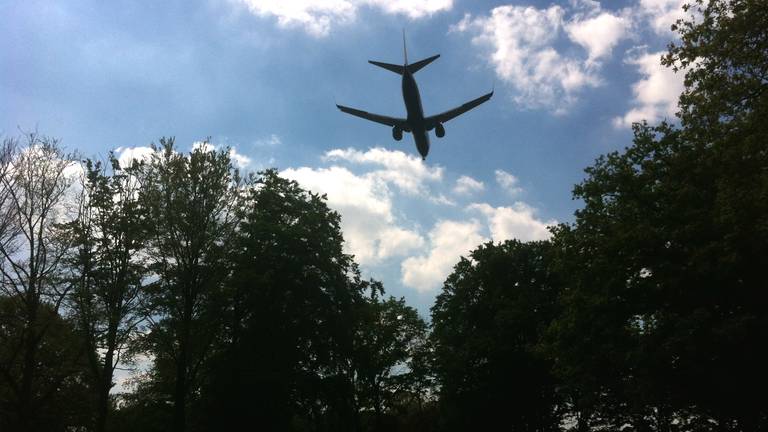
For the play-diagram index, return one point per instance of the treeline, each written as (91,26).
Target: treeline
(649,312)
(235,289)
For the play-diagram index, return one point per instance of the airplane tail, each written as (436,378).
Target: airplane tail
(400,69)
(412,68)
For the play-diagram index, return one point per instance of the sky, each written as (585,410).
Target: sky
(261,77)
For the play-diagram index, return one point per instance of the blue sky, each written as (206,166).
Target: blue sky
(262,76)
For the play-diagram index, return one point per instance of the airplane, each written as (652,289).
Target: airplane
(415,123)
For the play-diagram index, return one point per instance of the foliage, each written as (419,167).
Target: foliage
(61,398)
(723,49)
(107,270)
(191,202)
(662,307)
(388,339)
(487,323)
(34,183)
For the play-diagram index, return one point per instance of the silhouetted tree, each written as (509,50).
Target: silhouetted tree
(191,200)
(723,51)
(34,182)
(388,335)
(664,308)
(487,323)
(61,390)
(289,334)
(107,266)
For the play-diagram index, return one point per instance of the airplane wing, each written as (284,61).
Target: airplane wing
(443,117)
(389,121)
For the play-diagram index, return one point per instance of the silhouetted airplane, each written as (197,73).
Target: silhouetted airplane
(415,123)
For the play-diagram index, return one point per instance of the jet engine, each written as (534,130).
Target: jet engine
(397,133)
(439,130)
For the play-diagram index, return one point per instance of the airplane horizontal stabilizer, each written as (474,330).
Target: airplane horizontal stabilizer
(398,69)
(413,68)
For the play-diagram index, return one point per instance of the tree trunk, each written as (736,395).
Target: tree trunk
(26,402)
(105,384)
(180,391)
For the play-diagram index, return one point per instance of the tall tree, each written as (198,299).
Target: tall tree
(289,337)
(487,323)
(665,306)
(108,267)
(191,202)
(34,182)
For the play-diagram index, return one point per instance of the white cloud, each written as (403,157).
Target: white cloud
(408,173)
(661,14)
(270,141)
(442,200)
(466,185)
(599,34)
(448,241)
(508,182)
(240,160)
(317,17)
(365,204)
(516,222)
(521,42)
(126,155)
(203,145)
(364,187)
(656,93)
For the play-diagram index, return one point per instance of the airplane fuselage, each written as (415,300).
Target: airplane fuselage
(415,112)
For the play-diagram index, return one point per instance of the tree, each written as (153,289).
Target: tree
(191,202)
(108,268)
(723,50)
(388,337)
(663,307)
(487,322)
(288,334)
(34,181)
(61,386)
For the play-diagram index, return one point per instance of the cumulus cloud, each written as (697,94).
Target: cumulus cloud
(599,34)
(448,241)
(203,146)
(368,188)
(317,17)
(365,204)
(521,41)
(466,185)
(238,159)
(655,94)
(126,155)
(408,173)
(516,222)
(661,14)
(508,182)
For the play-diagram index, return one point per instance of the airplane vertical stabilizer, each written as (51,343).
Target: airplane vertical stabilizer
(405,50)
